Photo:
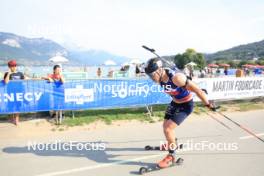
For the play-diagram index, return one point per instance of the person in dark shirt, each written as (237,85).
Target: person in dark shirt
(137,70)
(13,74)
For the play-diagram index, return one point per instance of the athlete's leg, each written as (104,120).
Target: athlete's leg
(174,116)
(168,129)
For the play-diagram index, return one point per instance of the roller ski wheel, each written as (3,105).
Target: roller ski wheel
(144,170)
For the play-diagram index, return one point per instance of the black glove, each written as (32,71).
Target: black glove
(211,106)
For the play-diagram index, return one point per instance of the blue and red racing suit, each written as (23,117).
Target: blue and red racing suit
(177,112)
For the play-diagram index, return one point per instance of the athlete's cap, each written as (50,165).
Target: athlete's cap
(153,65)
(12,63)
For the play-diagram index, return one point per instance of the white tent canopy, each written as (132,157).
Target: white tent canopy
(191,64)
(109,62)
(58,59)
(125,63)
(135,61)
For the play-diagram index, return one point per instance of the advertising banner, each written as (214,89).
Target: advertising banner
(32,95)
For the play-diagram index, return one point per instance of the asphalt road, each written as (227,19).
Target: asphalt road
(209,149)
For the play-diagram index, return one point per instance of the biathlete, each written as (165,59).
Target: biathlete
(179,87)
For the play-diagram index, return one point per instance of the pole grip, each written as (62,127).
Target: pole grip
(147,48)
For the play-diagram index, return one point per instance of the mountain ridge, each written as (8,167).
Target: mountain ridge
(240,52)
(37,51)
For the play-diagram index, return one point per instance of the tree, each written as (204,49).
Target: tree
(260,62)
(181,60)
(200,60)
(232,64)
(190,52)
(243,62)
(190,55)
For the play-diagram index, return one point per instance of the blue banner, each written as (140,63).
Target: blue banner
(32,95)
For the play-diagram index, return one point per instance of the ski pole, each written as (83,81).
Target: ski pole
(222,123)
(237,124)
(171,65)
(210,115)
(242,127)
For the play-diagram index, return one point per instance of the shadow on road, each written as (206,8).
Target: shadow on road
(99,156)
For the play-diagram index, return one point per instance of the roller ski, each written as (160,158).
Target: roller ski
(163,147)
(167,162)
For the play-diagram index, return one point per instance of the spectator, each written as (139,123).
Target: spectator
(218,72)
(110,73)
(191,71)
(257,71)
(210,72)
(99,72)
(202,73)
(137,70)
(188,71)
(247,71)
(56,77)
(239,73)
(85,69)
(226,71)
(122,68)
(13,74)
(142,68)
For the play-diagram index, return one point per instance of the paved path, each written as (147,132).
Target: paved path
(124,153)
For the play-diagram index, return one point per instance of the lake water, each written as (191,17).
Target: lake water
(91,71)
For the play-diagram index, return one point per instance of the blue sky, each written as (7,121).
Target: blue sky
(122,26)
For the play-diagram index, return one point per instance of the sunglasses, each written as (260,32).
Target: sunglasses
(151,75)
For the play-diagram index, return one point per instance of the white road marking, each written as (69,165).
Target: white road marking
(98,166)
(248,137)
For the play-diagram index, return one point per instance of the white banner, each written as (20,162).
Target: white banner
(232,87)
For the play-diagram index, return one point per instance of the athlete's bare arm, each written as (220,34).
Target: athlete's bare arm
(180,80)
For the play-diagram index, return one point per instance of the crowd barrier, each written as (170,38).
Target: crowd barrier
(34,96)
